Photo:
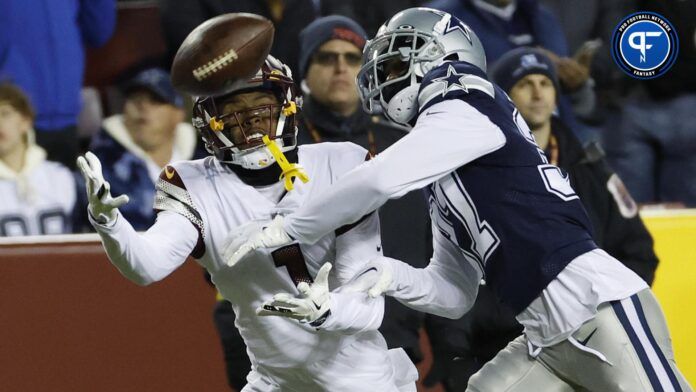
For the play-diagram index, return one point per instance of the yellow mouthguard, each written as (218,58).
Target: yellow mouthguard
(290,170)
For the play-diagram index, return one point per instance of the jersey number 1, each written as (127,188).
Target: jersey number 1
(291,257)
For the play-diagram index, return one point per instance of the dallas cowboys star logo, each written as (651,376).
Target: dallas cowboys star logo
(452,81)
(455,25)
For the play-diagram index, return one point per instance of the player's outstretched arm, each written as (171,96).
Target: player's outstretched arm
(447,287)
(142,258)
(447,136)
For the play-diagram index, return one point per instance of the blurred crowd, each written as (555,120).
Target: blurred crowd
(78,75)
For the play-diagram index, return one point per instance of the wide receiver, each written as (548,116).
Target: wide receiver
(251,132)
(500,212)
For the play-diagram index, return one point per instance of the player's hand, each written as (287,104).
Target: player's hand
(102,206)
(572,72)
(311,306)
(237,237)
(375,279)
(270,236)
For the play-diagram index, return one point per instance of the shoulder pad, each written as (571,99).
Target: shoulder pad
(452,80)
(171,195)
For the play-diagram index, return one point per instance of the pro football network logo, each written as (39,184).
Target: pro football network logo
(645,45)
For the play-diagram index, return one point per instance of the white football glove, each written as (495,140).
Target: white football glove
(375,279)
(237,237)
(311,306)
(102,207)
(273,235)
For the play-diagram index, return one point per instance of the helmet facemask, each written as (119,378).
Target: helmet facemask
(395,64)
(235,135)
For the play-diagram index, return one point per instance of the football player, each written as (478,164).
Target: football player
(251,134)
(500,212)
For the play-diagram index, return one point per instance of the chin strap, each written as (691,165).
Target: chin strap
(290,170)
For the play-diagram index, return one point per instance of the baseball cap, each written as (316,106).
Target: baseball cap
(158,82)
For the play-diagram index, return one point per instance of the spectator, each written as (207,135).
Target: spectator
(330,58)
(653,145)
(136,145)
(530,79)
(179,18)
(43,52)
(37,196)
(590,24)
(588,27)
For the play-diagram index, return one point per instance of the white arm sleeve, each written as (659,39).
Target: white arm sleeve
(355,247)
(448,135)
(355,312)
(147,257)
(447,287)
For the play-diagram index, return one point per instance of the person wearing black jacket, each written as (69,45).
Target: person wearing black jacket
(330,58)
(461,347)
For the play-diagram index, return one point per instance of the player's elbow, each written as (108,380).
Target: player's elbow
(468,294)
(459,309)
(456,298)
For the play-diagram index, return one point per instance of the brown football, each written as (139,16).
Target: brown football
(220,52)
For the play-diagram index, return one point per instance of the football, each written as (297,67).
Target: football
(220,52)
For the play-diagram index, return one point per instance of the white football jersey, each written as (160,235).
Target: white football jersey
(217,202)
(38,202)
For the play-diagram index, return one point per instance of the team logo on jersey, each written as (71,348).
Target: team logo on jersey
(169,172)
(452,81)
(645,45)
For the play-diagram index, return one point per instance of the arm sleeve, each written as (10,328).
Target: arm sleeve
(447,287)
(97,19)
(355,247)
(144,258)
(448,135)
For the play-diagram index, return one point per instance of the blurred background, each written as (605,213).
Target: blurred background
(78,75)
